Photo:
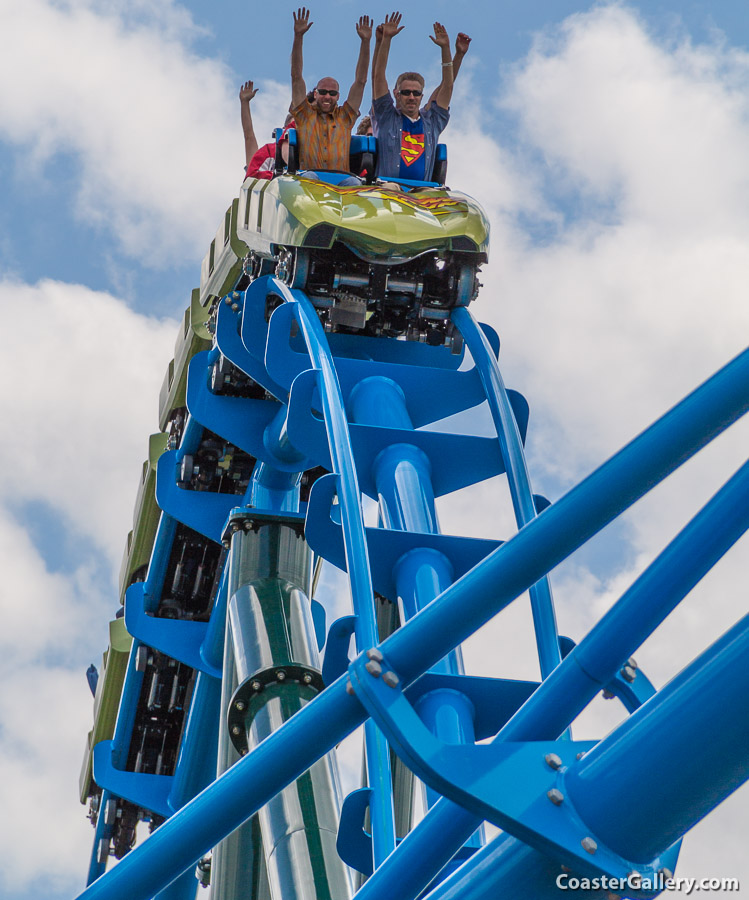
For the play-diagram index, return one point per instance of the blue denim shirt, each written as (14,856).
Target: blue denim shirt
(386,125)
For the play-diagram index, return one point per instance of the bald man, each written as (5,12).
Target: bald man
(324,127)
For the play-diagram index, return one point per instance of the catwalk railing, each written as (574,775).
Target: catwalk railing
(268,714)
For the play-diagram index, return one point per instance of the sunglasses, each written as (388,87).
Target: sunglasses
(410,93)
(324,93)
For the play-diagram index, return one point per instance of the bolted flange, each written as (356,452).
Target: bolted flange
(261,687)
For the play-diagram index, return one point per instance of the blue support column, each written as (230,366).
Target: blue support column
(402,474)
(273,489)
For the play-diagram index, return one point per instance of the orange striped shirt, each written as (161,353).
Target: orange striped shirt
(324,138)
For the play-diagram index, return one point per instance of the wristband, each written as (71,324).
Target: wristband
(446,65)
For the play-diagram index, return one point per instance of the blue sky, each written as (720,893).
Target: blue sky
(608,144)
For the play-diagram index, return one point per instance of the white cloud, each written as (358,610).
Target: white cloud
(153,127)
(661,131)
(81,373)
(45,708)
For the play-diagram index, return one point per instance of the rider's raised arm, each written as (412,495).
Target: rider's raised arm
(390,27)
(445,89)
(302,25)
(462,43)
(246,93)
(364,30)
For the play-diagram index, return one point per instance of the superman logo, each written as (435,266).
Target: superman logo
(412,147)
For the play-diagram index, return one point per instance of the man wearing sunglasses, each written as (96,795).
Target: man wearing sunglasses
(324,127)
(406,132)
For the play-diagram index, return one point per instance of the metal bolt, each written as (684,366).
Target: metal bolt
(631,662)
(234,527)
(256,686)
(589,845)
(307,678)
(227,300)
(607,695)
(234,307)
(374,668)
(350,688)
(391,679)
(247,525)
(235,295)
(236,730)
(226,544)
(244,751)
(553,761)
(280,675)
(375,654)
(556,796)
(628,674)
(240,705)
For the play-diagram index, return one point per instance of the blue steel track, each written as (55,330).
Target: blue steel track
(356,407)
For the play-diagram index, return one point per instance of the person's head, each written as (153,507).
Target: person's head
(409,89)
(365,126)
(325,95)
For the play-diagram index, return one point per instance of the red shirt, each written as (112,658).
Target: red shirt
(263,162)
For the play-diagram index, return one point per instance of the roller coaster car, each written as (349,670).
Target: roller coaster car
(382,258)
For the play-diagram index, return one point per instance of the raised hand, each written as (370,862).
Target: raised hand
(247,91)
(392,25)
(379,32)
(302,23)
(440,38)
(364,28)
(462,43)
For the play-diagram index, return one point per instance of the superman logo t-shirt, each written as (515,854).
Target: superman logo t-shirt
(412,161)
